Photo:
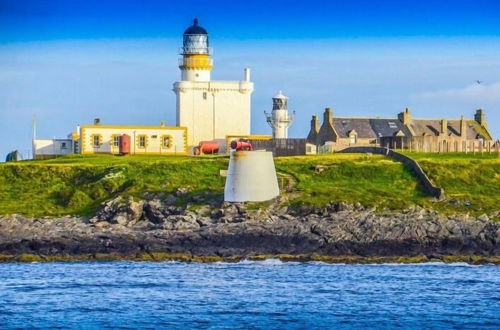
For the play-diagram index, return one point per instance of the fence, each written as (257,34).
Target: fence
(434,144)
(281,147)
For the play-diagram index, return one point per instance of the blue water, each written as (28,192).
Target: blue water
(268,294)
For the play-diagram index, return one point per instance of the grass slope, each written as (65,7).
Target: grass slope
(465,178)
(78,184)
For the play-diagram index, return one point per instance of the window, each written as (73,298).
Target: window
(204,95)
(166,141)
(116,140)
(353,137)
(63,145)
(142,141)
(96,140)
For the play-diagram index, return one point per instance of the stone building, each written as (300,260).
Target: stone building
(402,132)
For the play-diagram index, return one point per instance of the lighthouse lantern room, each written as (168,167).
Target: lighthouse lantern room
(195,62)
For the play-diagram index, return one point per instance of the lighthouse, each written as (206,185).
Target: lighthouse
(279,119)
(210,110)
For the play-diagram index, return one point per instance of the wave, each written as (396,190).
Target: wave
(278,262)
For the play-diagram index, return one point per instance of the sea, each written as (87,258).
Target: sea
(266,294)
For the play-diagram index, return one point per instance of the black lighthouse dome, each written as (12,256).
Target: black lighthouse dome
(195,29)
(195,40)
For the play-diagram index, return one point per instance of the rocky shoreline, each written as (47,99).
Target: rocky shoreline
(157,229)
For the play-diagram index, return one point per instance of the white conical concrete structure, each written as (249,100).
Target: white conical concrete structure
(251,177)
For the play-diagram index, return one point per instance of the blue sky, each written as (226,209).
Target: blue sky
(68,62)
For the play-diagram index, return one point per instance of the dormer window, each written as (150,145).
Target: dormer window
(392,124)
(353,137)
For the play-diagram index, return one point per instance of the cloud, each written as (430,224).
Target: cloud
(478,93)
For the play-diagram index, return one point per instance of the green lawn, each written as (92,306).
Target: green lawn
(78,184)
(371,180)
(465,178)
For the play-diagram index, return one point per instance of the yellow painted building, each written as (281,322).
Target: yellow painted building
(144,140)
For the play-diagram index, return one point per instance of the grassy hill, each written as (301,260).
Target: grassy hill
(78,184)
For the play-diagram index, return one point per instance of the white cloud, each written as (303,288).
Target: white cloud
(479,93)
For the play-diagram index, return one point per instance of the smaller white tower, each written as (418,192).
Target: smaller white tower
(278,119)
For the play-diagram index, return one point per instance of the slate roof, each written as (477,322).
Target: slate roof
(433,127)
(388,127)
(368,128)
(361,125)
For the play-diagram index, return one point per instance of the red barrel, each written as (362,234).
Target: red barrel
(241,145)
(208,147)
(124,144)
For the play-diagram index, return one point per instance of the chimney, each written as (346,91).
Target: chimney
(328,116)
(97,121)
(444,127)
(480,118)
(463,128)
(247,74)
(405,117)
(315,124)
(162,123)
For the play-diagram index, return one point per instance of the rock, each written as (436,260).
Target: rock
(320,168)
(101,224)
(181,191)
(121,219)
(153,211)
(204,221)
(358,206)
(231,229)
(170,199)
(135,209)
(197,198)
(483,217)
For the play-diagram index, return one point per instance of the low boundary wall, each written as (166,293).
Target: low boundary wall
(411,163)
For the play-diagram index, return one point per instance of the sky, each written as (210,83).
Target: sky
(68,62)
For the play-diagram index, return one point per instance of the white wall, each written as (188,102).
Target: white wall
(213,110)
(52,147)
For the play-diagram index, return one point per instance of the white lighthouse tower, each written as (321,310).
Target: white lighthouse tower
(210,110)
(279,119)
